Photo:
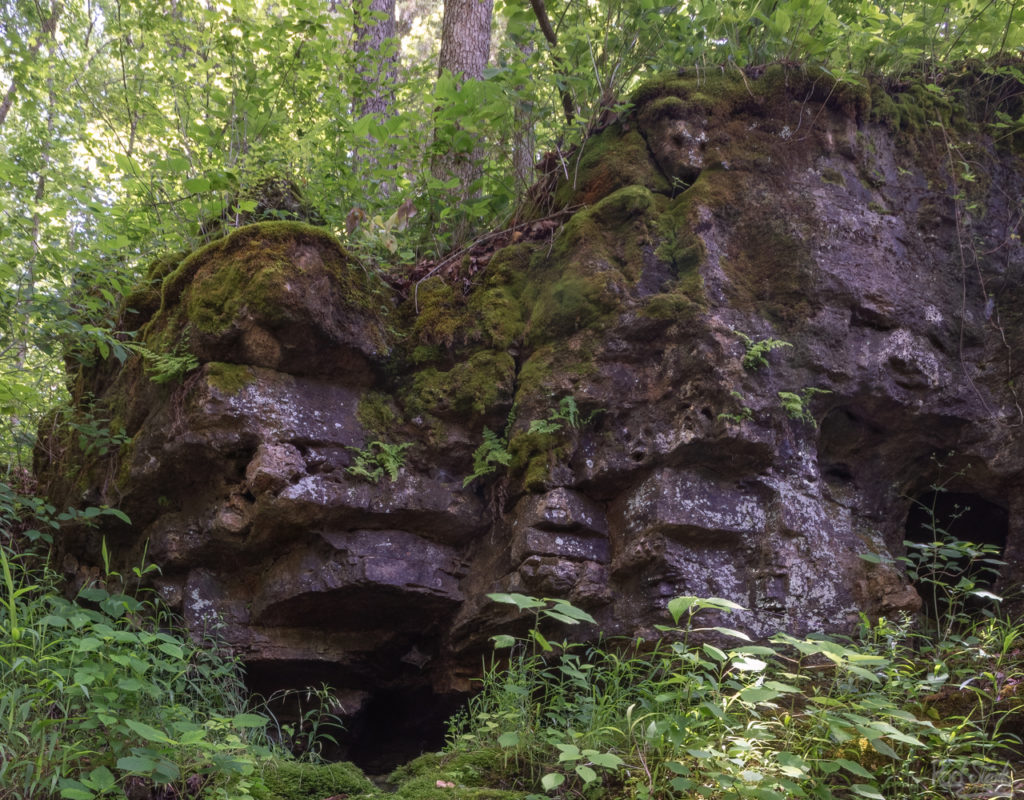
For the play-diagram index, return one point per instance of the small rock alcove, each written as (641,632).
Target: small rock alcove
(965,516)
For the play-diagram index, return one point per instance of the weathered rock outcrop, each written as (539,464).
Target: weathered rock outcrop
(774,304)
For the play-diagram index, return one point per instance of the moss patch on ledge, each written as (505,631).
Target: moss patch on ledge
(596,260)
(609,161)
(229,379)
(473,387)
(275,273)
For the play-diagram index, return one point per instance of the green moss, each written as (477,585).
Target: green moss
(611,160)
(508,267)
(441,313)
(139,306)
(294,780)
(534,455)
(914,110)
(833,176)
(162,266)
(474,774)
(475,386)
(496,317)
(264,270)
(552,370)
(426,788)
(769,269)
(680,246)
(228,379)
(598,255)
(377,413)
(721,95)
(216,307)
(569,304)
(674,306)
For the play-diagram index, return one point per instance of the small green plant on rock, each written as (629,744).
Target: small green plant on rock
(797,406)
(377,459)
(744,414)
(491,454)
(756,352)
(167,367)
(567,414)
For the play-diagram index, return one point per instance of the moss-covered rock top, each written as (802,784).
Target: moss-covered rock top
(266,295)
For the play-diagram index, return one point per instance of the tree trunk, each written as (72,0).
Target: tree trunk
(378,57)
(465,50)
(377,64)
(465,37)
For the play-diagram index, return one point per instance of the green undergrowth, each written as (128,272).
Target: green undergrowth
(105,695)
(897,711)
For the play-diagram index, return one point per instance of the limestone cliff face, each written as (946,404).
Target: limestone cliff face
(770,305)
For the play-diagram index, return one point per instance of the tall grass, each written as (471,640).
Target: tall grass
(896,712)
(105,692)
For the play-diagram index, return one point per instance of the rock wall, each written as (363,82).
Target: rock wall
(760,313)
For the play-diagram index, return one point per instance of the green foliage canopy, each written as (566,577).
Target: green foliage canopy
(126,129)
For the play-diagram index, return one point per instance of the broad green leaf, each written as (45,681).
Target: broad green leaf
(608,760)
(563,618)
(552,781)
(520,601)
(102,779)
(197,185)
(75,790)
(508,739)
(586,773)
(175,164)
(142,765)
(148,732)
(734,633)
(749,664)
(756,694)
(569,610)
(869,792)
(249,721)
(855,768)
(117,514)
(538,637)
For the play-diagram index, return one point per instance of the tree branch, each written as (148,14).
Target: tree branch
(541,13)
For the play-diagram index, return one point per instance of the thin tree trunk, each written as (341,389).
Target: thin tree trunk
(524,141)
(378,57)
(377,64)
(465,50)
(540,11)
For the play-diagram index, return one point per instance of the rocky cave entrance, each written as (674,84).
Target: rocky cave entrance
(387,727)
(964,516)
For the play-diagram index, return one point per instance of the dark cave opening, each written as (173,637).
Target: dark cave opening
(944,516)
(397,725)
(376,728)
